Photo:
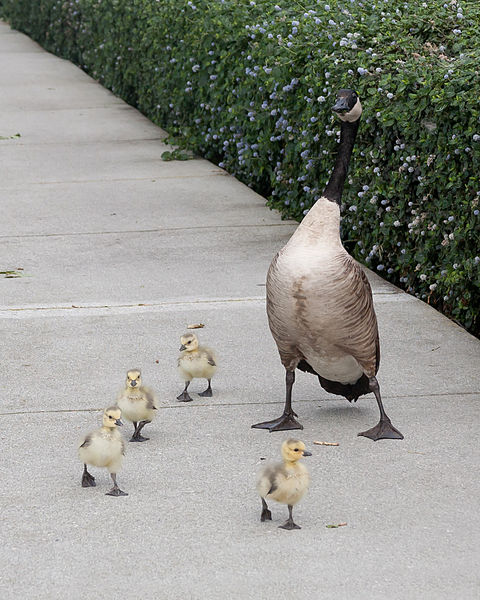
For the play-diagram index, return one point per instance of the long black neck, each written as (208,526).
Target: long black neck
(334,188)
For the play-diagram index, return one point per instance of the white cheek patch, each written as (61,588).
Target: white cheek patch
(352,115)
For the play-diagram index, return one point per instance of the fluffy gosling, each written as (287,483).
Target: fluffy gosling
(104,447)
(137,403)
(285,482)
(195,361)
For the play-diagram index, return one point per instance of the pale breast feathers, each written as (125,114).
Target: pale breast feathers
(325,303)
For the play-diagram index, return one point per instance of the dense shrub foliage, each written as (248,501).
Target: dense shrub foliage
(249,85)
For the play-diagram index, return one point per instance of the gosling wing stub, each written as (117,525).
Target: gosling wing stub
(273,488)
(87,441)
(270,474)
(150,401)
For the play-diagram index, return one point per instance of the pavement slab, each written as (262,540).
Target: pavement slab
(190,525)
(117,252)
(136,267)
(67,126)
(110,160)
(169,203)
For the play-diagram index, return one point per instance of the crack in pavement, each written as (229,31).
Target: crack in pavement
(214,173)
(17,312)
(155,230)
(227,404)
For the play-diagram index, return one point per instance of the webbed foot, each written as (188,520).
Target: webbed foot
(384,430)
(138,438)
(88,480)
(184,397)
(289,525)
(266,515)
(285,422)
(207,393)
(116,491)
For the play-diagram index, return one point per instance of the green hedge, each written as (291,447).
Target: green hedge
(249,85)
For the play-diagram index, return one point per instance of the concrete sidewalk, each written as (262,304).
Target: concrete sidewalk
(120,251)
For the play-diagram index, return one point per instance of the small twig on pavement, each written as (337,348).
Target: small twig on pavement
(327,443)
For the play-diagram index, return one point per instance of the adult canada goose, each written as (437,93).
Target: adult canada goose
(285,482)
(195,361)
(319,302)
(137,403)
(104,447)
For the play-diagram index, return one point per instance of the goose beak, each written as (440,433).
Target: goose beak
(341,105)
(133,383)
(182,347)
(118,422)
(305,453)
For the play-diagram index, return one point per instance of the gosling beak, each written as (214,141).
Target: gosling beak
(306,453)
(341,105)
(133,383)
(182,347)
(118,422)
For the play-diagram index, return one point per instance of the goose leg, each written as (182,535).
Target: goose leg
(185,396)
(287,420)
(115,491)
(289,524)
(134,430)
(87,479)
(136,437)
(384,429)
(208,392)
(266,514)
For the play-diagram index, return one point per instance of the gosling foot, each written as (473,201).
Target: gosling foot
(116,491)
(285,422)
(266,515)
(289,525)
(207,393)
(88,480)
(384,430)
(184,397)
(138,438)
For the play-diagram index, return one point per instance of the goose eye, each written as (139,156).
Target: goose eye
(296,450)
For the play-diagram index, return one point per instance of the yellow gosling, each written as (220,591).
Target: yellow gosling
(137,403)
(104,447)
(285,482)
(195,361)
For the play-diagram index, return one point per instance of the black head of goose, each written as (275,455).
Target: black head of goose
(319,302)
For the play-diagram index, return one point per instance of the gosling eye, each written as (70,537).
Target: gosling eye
(296,450)
(189,343)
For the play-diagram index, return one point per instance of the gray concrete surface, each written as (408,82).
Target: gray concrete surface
(120,252)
